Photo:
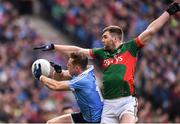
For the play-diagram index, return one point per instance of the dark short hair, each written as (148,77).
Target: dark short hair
(113,29)
(79,59)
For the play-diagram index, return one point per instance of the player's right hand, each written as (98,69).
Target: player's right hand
(47,47)
(57,67)
(37,71)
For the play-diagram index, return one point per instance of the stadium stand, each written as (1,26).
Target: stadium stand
(24,100)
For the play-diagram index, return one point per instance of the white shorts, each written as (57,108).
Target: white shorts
(115,108)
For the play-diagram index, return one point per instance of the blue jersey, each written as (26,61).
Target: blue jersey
(87,95)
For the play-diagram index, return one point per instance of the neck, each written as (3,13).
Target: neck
(113,47)
(118,44)
(81,71)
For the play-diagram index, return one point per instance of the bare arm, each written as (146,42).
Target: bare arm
(153,28)
(55,85)
(157,24)
(69,49)
(64,75)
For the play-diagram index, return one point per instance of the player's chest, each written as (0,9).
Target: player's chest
(117,58)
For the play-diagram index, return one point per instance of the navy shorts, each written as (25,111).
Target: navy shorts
(78,118)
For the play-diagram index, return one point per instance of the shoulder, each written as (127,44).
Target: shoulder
(83,76)
(134,42)
(96,50)
(129,42)
(132,46)
(89,69)
(97,53)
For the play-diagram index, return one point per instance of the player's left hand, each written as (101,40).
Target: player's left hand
(37,71)
(47,47)
(57,67)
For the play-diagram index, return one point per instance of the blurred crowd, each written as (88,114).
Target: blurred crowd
(23,99)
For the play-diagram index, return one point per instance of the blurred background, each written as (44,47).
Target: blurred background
(28,23)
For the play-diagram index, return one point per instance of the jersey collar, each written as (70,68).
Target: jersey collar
(115,50)
(90,68)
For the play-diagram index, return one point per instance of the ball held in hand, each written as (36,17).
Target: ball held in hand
(45,66)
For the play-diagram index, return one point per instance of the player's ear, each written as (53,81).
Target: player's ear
(77,67)
(115,38)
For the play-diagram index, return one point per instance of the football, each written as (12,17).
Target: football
(45,66)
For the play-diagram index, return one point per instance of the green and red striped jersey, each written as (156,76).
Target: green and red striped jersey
(118,68)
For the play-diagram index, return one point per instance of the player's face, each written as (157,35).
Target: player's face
(71,67)
(107,40)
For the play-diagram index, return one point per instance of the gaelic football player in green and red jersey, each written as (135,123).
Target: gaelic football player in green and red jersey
(117,61)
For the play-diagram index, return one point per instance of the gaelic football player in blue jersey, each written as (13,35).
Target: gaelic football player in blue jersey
(80,79)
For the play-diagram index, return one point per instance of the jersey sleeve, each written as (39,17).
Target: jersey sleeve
(134,46)
(77,83)
(138,43)
(96,53)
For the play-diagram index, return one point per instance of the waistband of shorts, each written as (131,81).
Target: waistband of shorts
(119,98)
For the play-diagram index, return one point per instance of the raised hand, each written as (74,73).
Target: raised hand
(57,67)
(37,71)
(47,47)
(173,8)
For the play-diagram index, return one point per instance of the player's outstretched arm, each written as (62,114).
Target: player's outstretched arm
(53,84)
(69,49)
(65,49)
(157,24)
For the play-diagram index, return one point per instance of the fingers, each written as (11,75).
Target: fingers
(35,70)
(57,67)
(52,64)
(39,66)
(35,67)
(40,47)
(46,49)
